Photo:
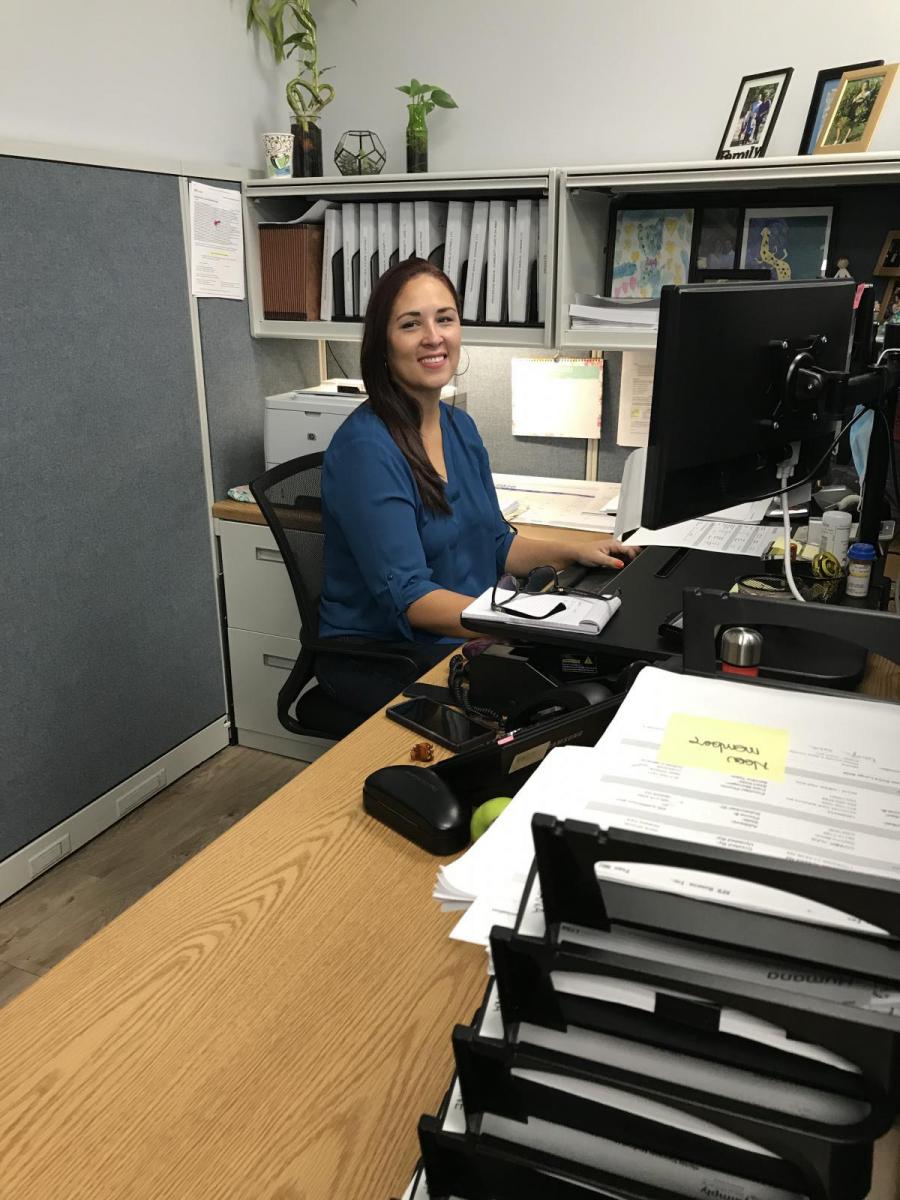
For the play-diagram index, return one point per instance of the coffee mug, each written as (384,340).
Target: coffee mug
(279,153)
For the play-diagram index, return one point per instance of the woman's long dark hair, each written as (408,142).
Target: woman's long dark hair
(399,411)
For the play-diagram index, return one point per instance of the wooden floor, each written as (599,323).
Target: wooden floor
(48,919)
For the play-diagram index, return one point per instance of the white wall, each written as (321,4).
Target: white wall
(539,82)
(558,82)
(174,79)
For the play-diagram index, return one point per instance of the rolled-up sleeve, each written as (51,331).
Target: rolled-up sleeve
(504,534)
(373,498)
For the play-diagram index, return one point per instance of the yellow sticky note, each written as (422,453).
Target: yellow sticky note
(730,747)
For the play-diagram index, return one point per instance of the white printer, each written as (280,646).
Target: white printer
(303,422)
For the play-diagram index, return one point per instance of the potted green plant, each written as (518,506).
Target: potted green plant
(423,97)
(290,29)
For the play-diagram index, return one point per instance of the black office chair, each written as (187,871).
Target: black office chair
(290,499)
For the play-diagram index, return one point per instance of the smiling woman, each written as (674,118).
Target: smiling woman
(413,530)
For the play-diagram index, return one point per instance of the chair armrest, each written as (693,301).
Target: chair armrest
(332,646)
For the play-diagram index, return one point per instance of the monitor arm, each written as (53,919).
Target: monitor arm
(810,393)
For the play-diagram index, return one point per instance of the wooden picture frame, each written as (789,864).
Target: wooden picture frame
(748,131)
(827,83)
(888,264)
(850,121)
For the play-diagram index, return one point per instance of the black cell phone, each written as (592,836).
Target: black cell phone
(444,725)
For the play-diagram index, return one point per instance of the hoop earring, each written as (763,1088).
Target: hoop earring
(457,372)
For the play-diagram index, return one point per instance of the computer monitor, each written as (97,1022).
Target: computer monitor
(738,378)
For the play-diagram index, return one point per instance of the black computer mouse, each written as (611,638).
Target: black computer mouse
(418,805)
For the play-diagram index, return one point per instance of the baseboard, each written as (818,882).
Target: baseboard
(58,843)
(304,749)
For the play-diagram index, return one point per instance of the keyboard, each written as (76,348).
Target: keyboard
(584,579)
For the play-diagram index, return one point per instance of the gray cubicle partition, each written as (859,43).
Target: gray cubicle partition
(111,653)
(239,372)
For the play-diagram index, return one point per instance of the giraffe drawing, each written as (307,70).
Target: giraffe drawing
(780,266)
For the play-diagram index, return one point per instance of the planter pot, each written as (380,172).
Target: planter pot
(416,140)
(307,148)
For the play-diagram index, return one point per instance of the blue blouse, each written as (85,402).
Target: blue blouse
(383,548)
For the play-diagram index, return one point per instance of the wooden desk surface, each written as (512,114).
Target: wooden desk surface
(270,1021)
(267,1024)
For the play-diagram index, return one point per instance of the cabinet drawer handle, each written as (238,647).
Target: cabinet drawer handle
(264,554)
(275,660)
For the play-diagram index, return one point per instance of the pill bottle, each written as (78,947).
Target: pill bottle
(836,534)
(861,556)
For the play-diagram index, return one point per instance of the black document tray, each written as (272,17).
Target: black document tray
(475,1168)
(687,1012)
(822,1160)
(566,853)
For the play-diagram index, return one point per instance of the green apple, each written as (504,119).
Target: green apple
(486,814)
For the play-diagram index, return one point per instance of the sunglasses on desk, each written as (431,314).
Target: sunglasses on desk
(538,581)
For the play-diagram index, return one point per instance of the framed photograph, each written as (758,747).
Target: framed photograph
(792,243)
(717,240)
(652,247)
(827,84)
(855,108)
(888,264)
(753,115)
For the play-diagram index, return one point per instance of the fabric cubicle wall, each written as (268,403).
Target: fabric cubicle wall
(239,372)
(110,639)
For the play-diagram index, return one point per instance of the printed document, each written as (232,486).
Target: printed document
(837,801)
(557,397)
(721,537)
(217,242)
(635,395)
(563,503)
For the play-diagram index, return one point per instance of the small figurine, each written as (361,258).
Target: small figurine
(422,752)
(843,272)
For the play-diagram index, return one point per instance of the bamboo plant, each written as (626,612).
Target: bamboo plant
(290,29)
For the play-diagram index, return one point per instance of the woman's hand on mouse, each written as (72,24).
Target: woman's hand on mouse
(606,552)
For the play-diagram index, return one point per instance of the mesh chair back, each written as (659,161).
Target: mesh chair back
(290,497)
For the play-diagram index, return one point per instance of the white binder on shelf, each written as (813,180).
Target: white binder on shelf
(431,230)
(332,267)
(350,216)
(498,232)
(368,254)
(407,231)
(388,235)
(542,260)
(473,304)
(510,253)
(456,247)
(524,261)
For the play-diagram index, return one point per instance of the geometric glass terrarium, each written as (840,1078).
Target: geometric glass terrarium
(359,152)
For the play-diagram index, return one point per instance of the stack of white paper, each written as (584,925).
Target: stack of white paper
(606,314)
(727,536)
(563,503)
(824,788)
